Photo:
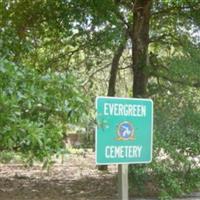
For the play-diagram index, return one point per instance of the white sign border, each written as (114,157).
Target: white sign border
(121,163)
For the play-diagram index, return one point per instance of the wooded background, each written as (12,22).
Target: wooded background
(57,56)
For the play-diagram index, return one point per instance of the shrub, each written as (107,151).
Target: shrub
(35,109)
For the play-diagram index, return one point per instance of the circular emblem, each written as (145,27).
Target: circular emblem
(125,131)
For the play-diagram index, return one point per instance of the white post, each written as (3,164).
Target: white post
(123,181)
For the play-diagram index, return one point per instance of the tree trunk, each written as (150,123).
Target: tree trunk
(113,71)
(140,41)
(112,81)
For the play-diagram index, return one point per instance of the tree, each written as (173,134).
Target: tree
(87,38)
(112,79)
(36,109)
(140,42)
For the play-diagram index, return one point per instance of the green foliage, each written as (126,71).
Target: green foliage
(175,167)
(66,42)
(7,157)
(35,109)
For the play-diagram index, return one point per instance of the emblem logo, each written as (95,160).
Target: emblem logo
(125,131)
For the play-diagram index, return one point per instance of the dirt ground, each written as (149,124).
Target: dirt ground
(76,179)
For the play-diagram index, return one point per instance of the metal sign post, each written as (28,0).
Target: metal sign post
(123,181)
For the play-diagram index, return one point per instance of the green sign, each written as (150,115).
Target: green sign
(124,130)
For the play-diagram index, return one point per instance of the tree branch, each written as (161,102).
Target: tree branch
(171,9)
(96,71)
(179,81)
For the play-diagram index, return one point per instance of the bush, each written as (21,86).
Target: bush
(175,167)
(35,109)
